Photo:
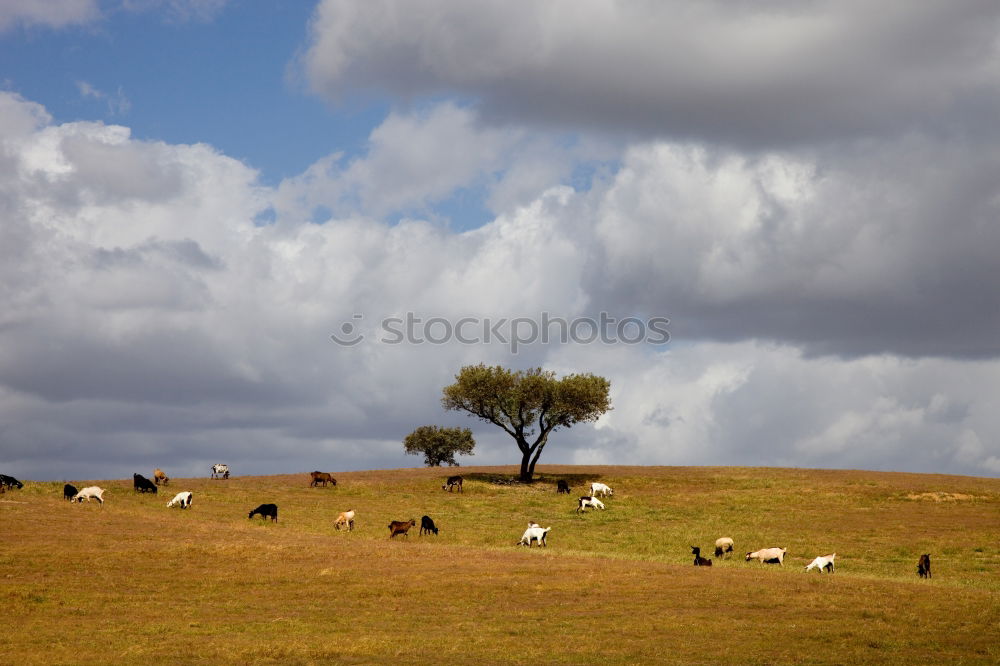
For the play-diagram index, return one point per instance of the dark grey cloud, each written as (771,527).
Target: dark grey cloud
(884,248)
(747,74)
(764,405)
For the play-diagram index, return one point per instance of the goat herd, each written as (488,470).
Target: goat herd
(724,546)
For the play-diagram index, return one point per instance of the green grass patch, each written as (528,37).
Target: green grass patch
(135,582)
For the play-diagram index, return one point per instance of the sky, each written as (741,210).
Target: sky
(199,198)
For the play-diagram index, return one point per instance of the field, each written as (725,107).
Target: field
(136,582)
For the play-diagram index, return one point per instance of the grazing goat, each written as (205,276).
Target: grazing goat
(159,477)
(534,533)
(824,562)
(321,477)
(69,491)
(400,527)
(562,487)
(141,484)
(589,501)
(346,518)
(723,546)
(220,471)
(924,566)
(183,500)
(9,482)
(768,556)
(89,493)
(700,561)
(266,511)
(452,482)
(599,488)
(427,525)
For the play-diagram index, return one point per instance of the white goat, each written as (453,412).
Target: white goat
(89,493)
(346,518)
(599,488)
(183,500)
(768,556)
(589,501)
(533,534)
(824,562)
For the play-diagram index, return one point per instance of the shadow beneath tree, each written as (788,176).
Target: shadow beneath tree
(581,481)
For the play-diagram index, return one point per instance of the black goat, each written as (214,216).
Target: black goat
(10,482)
(700,561)
(141,484)
(427,525)
(266,511)
(924,566)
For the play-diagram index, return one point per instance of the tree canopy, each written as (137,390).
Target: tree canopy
(439,445)
(528,404)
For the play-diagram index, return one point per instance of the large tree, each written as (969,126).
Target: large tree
(439,445)
(527,404)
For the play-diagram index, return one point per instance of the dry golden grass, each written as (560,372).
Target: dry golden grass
(135,582)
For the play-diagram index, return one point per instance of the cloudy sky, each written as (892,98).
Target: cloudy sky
(196,195)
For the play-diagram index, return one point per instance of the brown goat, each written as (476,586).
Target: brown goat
(400,527)
(159,477)
(322,477)
(924,566)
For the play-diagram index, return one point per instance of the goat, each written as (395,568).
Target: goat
(768,556)
(723,546)
(400,527)
(345,518)
(266,511)
(562,487)
(159,477)
(141,484)
(220,471)
(599,488)
(427,525)
(89,493)
(924,566)
(700,561)
(452,482)
(533,533)
(9,482)
(181,499)
(321,477)
(584,502)
(69,491)
(824,562)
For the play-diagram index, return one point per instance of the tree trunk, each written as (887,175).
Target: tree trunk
(527,468)
(529,457)
(534,459)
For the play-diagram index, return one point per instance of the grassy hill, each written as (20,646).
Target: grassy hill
(136,582)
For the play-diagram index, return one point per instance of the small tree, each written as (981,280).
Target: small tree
(439,445)
(527,404)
